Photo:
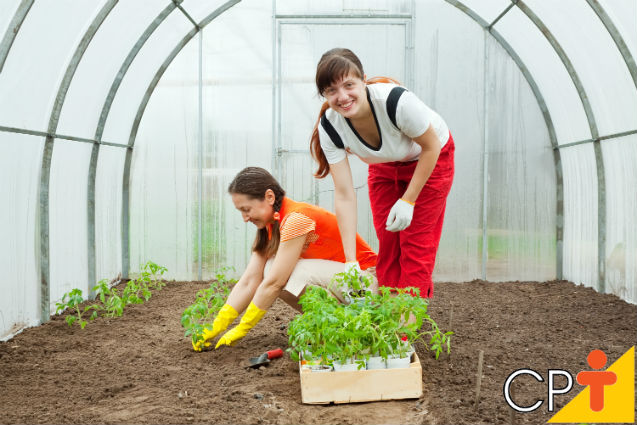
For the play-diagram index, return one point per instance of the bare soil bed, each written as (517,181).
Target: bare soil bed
(140,369)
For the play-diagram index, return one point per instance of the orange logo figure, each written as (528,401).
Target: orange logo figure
(596,379)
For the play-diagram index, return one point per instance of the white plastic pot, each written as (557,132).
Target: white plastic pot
(346,366)
(394,361)
(376,362)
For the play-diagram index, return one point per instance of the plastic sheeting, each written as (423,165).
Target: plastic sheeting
(101,63)
(521,178)
(19,248)
(552,78)
(595,57)
(67,218)
(580,215)
(142,70)
(36,64)
(620,157)
(108,212)
(163,179)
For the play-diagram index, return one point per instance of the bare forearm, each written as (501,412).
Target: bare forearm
(267,292)
(424,168)
(242,293)
(345,207)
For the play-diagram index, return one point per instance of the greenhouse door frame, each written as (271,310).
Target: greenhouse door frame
(402,19)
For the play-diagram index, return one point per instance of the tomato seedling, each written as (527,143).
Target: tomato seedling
(199,315)
(72,301)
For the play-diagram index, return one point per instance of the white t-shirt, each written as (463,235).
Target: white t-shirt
(413,117)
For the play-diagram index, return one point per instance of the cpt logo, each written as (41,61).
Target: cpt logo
(608,395)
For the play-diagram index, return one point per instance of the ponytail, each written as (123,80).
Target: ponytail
(267,241)
(315,147)
(315,143)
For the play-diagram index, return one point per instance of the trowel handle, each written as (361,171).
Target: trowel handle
(275,354)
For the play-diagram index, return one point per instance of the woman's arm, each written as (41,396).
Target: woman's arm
(277,277)
(430,145)
(237,301)
(243,291)
(284,262)
(345,206)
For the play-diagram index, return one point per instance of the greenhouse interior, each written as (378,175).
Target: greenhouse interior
(122,124)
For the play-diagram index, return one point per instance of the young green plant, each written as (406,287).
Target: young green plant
(72,301)
(199,315)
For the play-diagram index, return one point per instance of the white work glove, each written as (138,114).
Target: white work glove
(400,215)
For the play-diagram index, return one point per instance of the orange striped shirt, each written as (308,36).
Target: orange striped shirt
(323,237)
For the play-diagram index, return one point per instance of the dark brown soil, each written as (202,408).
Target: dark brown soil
(140,369)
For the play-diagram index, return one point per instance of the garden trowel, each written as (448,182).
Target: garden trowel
(264,358)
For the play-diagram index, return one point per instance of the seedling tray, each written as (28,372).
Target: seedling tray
(361,385)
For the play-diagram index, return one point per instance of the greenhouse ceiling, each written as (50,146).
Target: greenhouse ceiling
(122,122)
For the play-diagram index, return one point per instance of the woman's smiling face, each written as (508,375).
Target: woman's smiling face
(259,212)
(347,96)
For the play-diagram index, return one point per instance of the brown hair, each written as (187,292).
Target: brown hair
(254,182)
(335,64)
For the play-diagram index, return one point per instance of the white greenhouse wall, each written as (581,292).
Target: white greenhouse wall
(163,180)
(521,184)
(620,157)
(108,213)
(95,75)
(19,226)
(48,37)
(595,56)
(67,219)
(580,215)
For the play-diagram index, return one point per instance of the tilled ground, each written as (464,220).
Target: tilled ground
(140,369)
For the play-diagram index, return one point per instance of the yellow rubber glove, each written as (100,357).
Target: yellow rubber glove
(226,315)
(251,317)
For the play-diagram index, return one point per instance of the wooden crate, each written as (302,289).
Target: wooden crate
(361,385)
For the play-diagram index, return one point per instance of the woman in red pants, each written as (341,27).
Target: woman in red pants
(410,154)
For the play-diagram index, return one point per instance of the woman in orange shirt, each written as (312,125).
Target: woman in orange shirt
(296,244)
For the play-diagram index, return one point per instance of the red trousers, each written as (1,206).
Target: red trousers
(407,258)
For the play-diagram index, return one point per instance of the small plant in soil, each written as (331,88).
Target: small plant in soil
(110,303)
(152,273)
(209,301)
(72,301)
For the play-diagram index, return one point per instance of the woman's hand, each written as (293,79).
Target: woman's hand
(400,216)
(270,288)
(226,315)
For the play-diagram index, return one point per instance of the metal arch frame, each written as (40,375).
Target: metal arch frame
(99,131)
(12,30)
(599,157)
(140,112)
(45,287)
(547,118)
(616,36)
